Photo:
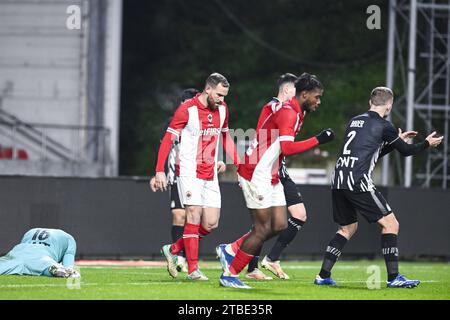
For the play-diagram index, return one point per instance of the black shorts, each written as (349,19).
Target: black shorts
(291,193)
(175,202)
(346,204)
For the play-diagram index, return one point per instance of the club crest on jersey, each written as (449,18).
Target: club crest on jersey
(188,195)
(210,117)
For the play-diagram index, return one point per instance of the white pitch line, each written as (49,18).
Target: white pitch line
(318,266)
(359,281)
(342,266)
(82,284)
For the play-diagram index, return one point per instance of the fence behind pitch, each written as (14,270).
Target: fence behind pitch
(121,218)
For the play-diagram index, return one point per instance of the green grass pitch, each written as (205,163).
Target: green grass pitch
(153,283)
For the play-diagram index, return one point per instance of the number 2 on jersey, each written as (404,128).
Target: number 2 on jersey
(351,135)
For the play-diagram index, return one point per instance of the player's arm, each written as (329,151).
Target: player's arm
(152,182)
(286,122)
(395,141)
(161,137)
(230,147)
(411,149)
(228,144)
(68,259)
(178,122)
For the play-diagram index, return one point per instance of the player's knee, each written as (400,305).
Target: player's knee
(211,227)
(390,224)
(279,227)
(348,231)
(302,216)
(298,211)
(263,232)
(178,217)
(393,226)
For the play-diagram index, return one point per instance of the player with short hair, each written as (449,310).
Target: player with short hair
(294,202)
(368,137)
(176,207)
(42,252)
(198,124)
(258,175)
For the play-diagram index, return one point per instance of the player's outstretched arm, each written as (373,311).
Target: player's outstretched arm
(290,147)
(406,149)
(405,136)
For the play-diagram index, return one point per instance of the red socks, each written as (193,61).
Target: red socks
(202,232)
(189,242)
(237,244)
(179,244)
(176,247)
(190,239)
(241,259)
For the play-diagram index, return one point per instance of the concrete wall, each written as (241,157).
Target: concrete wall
(122,218)
(49,75)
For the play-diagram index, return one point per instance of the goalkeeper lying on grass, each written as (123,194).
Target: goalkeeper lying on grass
(42,252)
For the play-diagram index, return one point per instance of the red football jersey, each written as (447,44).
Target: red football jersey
(198,129)
(277,122)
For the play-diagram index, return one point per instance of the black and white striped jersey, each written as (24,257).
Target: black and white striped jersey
(365,137)
(283,174)
(170,168)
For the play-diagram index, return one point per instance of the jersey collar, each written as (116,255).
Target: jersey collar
(295,105)
(198,102)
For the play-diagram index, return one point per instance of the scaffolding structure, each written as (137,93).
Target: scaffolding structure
(422,84)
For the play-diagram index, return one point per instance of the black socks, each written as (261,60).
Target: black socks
(254,262)
(332,253)
(285,237)
(390,254)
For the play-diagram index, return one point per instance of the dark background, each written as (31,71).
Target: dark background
(175,44)
(120,218)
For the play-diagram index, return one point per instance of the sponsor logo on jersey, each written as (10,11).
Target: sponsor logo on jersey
(346,162)
(207,132)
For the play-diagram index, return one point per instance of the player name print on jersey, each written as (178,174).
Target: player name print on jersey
(364,139)
(357,124)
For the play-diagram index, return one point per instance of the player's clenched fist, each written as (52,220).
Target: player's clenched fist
(325,136)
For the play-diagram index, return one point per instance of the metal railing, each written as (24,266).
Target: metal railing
(81,143)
